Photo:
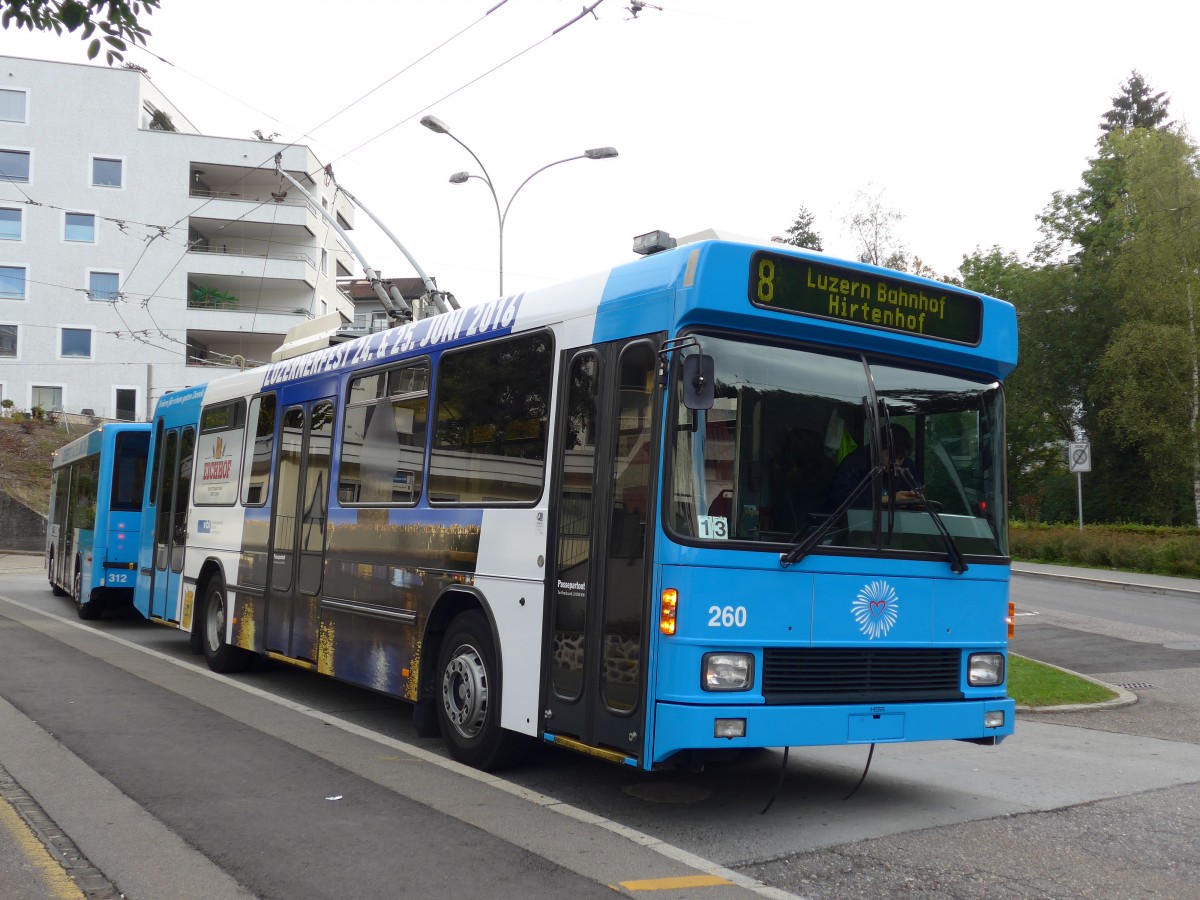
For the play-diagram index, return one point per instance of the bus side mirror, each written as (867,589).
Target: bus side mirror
(699,382)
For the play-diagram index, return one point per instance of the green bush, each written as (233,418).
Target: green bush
(1130,548)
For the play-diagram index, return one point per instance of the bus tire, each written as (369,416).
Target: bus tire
(220,654)
(87,609)
(468,696)
(58,592)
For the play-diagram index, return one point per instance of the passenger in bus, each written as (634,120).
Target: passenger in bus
(855,467)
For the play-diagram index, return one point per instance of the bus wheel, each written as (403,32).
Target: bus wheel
(58,592)
(87,609)
(470,698)
(220,654)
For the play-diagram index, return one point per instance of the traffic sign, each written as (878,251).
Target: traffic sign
(1079,456)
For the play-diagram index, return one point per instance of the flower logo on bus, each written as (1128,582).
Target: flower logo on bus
(875,609)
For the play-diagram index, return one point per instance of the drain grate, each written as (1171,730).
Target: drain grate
(1135,685)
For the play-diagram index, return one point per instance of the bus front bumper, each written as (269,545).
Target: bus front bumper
(679,727)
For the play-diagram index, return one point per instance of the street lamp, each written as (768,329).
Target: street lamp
(438,126)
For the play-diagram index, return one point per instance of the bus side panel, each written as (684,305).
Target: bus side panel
(384,570)
(513,548)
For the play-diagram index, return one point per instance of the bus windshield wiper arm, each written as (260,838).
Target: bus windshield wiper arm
(958,563)
(802,549)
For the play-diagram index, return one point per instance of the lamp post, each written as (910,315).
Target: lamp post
(437,125)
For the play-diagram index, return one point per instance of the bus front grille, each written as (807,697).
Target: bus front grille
(844,675)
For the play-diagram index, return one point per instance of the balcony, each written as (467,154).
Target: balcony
(233,192)
(245,304)
(224,350)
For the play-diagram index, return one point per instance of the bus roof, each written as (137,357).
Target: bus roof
(707,281)
(91,442)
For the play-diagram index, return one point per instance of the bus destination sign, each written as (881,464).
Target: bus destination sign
(809,288)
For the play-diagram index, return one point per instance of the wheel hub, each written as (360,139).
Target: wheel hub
(465,691)
(214,621)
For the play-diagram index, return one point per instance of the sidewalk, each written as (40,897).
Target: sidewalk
(1120,581)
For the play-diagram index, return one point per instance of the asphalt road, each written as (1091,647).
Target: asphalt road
(227,780)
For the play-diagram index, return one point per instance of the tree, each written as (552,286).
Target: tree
(1128,239)
(116,20)
(1149,375)
(872,225)
(1136,107)
(801,233)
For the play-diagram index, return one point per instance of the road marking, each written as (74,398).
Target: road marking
(671,884)
(551,804)
(52,874)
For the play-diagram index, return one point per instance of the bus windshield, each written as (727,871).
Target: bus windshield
(869,452)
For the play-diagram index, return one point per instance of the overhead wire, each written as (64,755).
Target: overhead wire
(164,231)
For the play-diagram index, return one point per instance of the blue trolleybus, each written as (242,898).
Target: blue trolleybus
(728,495)
(95,515)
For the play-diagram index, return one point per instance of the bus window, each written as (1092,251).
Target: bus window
(256,467)
(383,441)
(769,461)
(129,471)
(493,402)
(154,467)
(222,429)
(83,494)
(183,484)
(575,528)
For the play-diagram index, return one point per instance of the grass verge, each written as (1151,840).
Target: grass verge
(1034,684)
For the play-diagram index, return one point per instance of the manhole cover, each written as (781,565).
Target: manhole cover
(660,792)
(1183,645)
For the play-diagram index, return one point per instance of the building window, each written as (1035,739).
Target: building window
(76,343)
(107,172)
(10,224)
(324,261)
(14,165)
(126,404)
(8,341)
(103,286)
(12,105)
(46,396)
(81,227)
(12,282)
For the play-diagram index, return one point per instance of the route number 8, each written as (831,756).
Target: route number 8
(766,281)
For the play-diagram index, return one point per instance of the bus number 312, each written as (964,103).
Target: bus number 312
(727,617)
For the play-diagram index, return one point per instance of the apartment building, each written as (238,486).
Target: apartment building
(139,256)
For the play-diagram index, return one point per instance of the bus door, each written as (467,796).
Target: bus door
(171,520)
(599,584)
(299,510)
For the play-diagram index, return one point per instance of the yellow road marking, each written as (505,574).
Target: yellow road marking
(670,884)
(52,873)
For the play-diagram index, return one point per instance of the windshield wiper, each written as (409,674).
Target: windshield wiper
(958,563)
(802,549)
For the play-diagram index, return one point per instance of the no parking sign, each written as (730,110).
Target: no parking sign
(1079,456)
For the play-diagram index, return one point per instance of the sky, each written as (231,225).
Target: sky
(964,117)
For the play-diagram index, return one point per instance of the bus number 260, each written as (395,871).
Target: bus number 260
(727,617)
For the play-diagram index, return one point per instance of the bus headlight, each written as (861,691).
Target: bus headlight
(727,671)
(984,669)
